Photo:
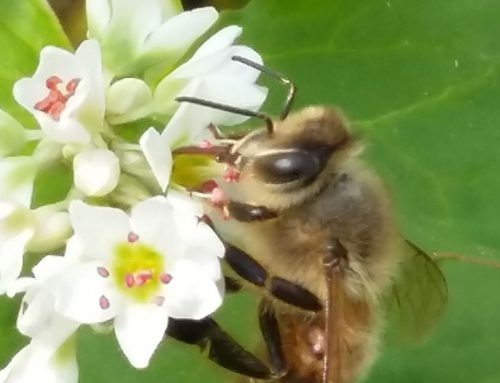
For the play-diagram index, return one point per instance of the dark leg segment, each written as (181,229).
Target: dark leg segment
(286,291)
(244,212)
(294,294)
(220,347)
(271,334)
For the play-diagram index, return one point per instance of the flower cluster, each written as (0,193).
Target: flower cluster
(135,251)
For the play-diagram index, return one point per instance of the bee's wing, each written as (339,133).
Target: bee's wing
(417,298)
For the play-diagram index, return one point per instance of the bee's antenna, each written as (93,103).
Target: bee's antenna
(292,89)
(231,109)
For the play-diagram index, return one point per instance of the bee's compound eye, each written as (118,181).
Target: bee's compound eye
(285,166)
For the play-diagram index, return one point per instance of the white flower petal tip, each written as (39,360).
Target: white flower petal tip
(66,93)
(158,156)
(127,94)
(96,172)
(139,330)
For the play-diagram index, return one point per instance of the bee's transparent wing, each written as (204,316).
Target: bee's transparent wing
(417,298)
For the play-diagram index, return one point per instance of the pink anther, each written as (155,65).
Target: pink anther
(104,302)
(103,272)
(165,278)
(132,237)
(205,144)
(129,280)
(231,174)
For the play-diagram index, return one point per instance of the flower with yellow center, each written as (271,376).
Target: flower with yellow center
(140,270)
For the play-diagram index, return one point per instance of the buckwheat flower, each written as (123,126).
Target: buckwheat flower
(66,93)
(136,35)
(158,263)
(212,74)
(50,355)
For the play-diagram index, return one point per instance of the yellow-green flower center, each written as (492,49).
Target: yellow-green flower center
(138,269)
(191,170)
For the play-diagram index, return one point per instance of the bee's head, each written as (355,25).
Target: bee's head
(295,160)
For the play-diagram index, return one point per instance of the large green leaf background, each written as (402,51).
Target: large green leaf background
(420,81)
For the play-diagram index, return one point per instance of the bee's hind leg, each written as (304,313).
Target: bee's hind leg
(218,346)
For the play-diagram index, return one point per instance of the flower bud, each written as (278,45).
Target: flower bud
(96,172)
(52,229)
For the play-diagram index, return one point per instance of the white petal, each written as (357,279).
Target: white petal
(98,15)
(229,91)
(158,156)
(139,329)
(219,41)
(153,221)
(88,221)
(186,125)
(11,257)
(178,33)
(67,131)
(96,171)
(37,363)
(81,291)
(49,266)
(126,95)
(191,294)
(37,312)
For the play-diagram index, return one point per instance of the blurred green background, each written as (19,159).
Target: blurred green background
(420,80)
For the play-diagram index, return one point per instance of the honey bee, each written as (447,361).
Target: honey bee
(321,245)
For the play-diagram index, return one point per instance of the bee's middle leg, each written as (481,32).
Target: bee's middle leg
(287,291)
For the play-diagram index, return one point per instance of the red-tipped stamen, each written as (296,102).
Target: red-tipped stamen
(104,302)
(129,280)
(132,237)
(55,102)
(103,272)
(218,197)
(165,278)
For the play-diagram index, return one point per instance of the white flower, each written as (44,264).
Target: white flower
(96,171)
(136,35)
(50,356)
(160,262)
(66,93)
(211,74)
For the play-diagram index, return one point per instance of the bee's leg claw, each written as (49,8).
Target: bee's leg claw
(270,331)
(218,346)
(286,291)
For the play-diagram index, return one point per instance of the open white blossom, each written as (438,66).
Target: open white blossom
(158,263)
(66,93)
(146,33)
(212,74)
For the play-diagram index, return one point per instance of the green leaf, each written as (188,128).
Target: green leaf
(25,28)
